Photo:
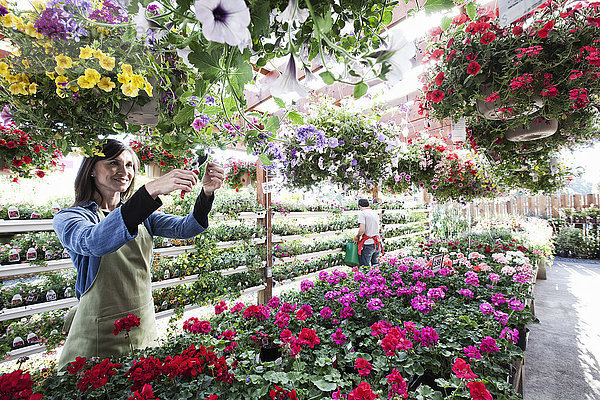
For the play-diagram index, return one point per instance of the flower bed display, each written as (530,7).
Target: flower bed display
(44,328)
(542,67)
(403,329)
(33,211)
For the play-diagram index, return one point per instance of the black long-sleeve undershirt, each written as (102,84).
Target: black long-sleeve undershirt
(141,205)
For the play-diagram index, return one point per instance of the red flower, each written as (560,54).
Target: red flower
(398,384)
(36,149)
(487,37)
(76,365)
(282,394)
(17,385)
(450,55)
(26,160)
(543,33)
(517,30)
(575,74)
(362,392)
(301,315)
(308,337)
(11,144)
(126,323)
(220,308)
(212,397)
(98,375)
(144,371)
(363,366)
(473,68)
(440,78)
(40,174)
(436,96)
(549,91)
(17,163)
(470,56)
(462,370)
(478,391)
(435,31)
(194,325)
(594,21)
(145,394)
(492,97)
(460,19)
(258,312)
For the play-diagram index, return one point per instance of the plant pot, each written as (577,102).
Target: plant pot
(153,171)
(146,115)
(537,130)
(269,353)
(491,110)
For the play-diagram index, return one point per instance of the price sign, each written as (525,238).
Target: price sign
(459,130)
(269,187)
(437,262)
(511,10)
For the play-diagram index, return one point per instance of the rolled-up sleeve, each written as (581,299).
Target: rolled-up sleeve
(82,236)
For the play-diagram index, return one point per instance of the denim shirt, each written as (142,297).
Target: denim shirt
(87,239)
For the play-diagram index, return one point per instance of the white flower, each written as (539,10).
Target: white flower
(286,86)
(311,81)
(401,60)
(224,21)
(293,13)
(184,56)
(141,23)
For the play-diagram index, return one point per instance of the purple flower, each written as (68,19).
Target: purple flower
(200,122)
(332,279)
(486,308)
(6,116)
(510,334)
(340,274)
(347,299)
(354,162)
(516,304)
(209,100)
(274,302)
(521,277)
(472,352)
(326,313)
(375,304)
(323,275)
(501,316)
(422,304)
(472,278)
(306,285)
(282,319)
(498,298)
(428,337)
(346,312)
(288,308)
(338,337)
(488,345)
(494,277)
(445,271)
(332,295)
(307,309)
(3,11)
(360,277)
(437,293)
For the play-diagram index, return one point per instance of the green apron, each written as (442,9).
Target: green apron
(121,287)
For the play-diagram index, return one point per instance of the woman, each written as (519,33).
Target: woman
(108,234)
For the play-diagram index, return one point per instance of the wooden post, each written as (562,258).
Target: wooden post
(564,201)
(578,201)
(520,205)
(375,194)
(543,210)
(555,201)
(530,205)
(590,200)
(265,200)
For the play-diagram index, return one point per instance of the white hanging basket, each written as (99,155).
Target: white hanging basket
(536,131)
(491,109)
(153,171)
(146,115)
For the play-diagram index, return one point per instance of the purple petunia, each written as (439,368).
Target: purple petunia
(306,285)
(326,313)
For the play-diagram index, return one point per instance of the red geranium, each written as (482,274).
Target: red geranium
(543,33)
(363,366)
(144,394)
(473,68)
(549,91)
(221,307)
(282,394)
(478,391)
(126,323)
(194,325)
(462,369)
(144,371)
(308,337)
(362,392)
(439,79)
(487,37)
(398,384)
(17,385)
(76,365)
(98,375)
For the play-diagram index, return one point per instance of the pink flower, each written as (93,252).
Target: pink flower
(462,370)
(549,91)
(487,37)
(338,337)
(237,307)
(492,97)
(363,366)
(473,68)
(478,391)
(220,308)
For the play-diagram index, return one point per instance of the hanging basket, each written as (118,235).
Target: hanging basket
(4,167)
(246,180)
(537,130)
(146,115)
(491,109)
(153,171)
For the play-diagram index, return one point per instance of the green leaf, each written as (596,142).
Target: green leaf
(327,77)
(471,10)
(264,159)
(207,64)
(325,386)
(295,117)
(241,76)
(445,23)
(432,6)
(387,17)
(184,116)
(280,103)
(360,89)
(260,16)
(325,22)
(272,124)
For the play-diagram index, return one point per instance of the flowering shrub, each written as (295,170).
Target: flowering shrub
(240,174)
(25,155)
(541,67)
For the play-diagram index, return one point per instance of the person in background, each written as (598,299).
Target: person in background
(370,245)
(108,233)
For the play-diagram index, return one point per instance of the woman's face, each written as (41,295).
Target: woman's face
(114,175)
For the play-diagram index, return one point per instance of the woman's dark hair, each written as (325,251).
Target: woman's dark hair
(85,186)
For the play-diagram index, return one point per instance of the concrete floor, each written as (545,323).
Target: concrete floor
(563,352)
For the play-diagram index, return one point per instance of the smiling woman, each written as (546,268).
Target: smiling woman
(108,234)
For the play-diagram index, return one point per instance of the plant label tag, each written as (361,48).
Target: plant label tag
(50,295)
(268,187)
(269,272)
(13,212)
(35,215)
(437,262)
(13,255)
(459,131)
(31,254)
(511,10)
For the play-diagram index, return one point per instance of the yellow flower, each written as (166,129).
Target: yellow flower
(30,29)
(106,84)
(85,52)
(11,78)
(60,93)
(23,78)
(18,88)
(97,53)
(73,87)
(33,88)
(148,89)
(129,90)
(60,70)
(25,63)
(123,78)
(50,75)
(138,81)
(63,61)
(84,82)
(92,75)
(4,71)
(7,20)
(126,68)
(108,63)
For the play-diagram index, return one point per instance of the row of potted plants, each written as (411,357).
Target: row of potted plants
(50,286)
(575,242)
(368,333)
(284,227)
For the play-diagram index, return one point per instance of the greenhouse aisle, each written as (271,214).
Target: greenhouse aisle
(563,352)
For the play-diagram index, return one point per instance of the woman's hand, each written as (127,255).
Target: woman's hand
(177,179)
(214,174)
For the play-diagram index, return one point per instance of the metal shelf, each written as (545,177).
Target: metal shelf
(286,238)
(311,214)
(25,225)
(307,256)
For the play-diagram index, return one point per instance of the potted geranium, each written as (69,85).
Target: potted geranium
(26,154)
(536,71)
(240,174)
(156,159)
